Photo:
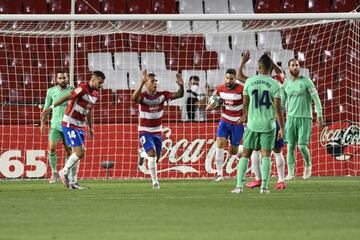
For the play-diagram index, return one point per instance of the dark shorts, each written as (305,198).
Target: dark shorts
(74,137)
(151,141)
(233,132)
(279,143)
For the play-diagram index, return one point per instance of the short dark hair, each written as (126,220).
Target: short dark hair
(293,59)
(151,74)
(266,62)
(99,74)
(61,71)
(196,78)
(231,71)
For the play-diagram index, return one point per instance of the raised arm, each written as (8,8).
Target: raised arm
(89,118)
(180,92)
(55,104)
(240,74)
(136,94)
(277,69)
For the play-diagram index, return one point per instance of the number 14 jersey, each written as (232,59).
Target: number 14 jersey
(261,90)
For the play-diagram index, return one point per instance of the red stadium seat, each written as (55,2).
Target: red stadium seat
(205,60)
(59,45)
(13,44)
(113,7)
(141,43)
(59,6)
(34,7)
(293,6)
(106,97)
(88,43)
(179,60)
(343,5)
(10,7)
(139,6)
(265,6)
(315,6)
(3,59)
(34,44)
(115,42)
(87,7)
(164,6)
(192,43)
(165,43)
(79,61)
(20,59)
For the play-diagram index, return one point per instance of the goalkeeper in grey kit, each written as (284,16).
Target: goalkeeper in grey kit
(230,94)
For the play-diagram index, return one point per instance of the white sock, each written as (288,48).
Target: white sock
(280,165)
(255,164)
(219,161)
(240,150)
(70,163)
(152,168)
(74,173)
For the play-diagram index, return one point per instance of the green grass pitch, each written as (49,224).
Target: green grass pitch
(319,208)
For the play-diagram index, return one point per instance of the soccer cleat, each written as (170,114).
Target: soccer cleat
(289,177)
(280,185)
(237,190)
(264,190)
(156,186)
(254,184)
(64,178)
(54,177)
(76,186)
(218,178)
(307,173)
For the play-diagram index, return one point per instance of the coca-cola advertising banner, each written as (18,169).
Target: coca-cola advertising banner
(188,152)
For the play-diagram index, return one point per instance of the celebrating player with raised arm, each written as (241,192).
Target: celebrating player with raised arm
(151,104)
(78,112)
(299,92)
(61,89)
(279,143)
(261,104)
(229,126)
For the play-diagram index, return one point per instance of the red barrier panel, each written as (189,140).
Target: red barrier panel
(188,152)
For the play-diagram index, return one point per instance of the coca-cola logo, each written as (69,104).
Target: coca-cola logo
(337,137)
(187,156)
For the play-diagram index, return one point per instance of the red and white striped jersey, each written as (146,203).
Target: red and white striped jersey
(151,111)
(279,78)
(79,106)
(232,102)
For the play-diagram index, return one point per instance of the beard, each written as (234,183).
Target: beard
(294,73)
